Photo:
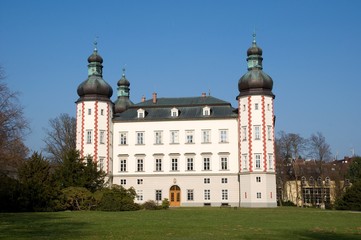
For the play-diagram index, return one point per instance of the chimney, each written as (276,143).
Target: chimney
(143,98)
(154,97)
(204,94)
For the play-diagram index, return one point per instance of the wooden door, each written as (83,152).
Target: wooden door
(174,196)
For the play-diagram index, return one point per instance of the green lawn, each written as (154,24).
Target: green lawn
(184,223)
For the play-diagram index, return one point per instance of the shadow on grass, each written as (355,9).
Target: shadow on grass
(40,226)
(329,236)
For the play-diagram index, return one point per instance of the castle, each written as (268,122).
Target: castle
(195,151)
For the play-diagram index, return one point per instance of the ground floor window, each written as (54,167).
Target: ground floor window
(207,194)
(190,195)
(158,195)
(224,194)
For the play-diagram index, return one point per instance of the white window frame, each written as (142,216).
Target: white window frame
(123,138)
(190,195)
(174,112)
(174,164)
(269,132)
(207,194)
(101,163)
(206,111)
(223,135)
(206,135)
(190,164)
(140,165)
(158,195)
(101,136)
(224,180)
(158,162)
(257,157)
(245,161)
(174,137)
(140,137)
(189,136)
(123,165)
(257,132)
(158,137)
(224,163)
(89,136)
(224,194)
(140,113)
(206,163)
(139,195)
(206,180)
(270,161)
(244,133)
(259,195)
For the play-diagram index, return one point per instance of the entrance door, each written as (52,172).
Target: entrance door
(174,196)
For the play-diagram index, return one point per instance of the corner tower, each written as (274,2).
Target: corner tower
(94,111)
(256,133)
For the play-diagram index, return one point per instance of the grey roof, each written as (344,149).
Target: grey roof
(190,108)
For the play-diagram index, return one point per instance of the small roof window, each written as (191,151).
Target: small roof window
(141,113)
(206,111)
(174,112)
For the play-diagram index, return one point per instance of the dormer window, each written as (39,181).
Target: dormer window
(141,113)
(206,111)
(174,112)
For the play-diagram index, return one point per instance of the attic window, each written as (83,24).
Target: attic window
(206,111)
(141,113)
(174,112)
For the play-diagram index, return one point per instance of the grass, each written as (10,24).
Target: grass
(185,223)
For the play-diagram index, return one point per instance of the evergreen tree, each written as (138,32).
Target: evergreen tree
(39,191)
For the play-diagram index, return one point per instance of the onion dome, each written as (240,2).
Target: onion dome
(95,87)
(255,81)
(123,102)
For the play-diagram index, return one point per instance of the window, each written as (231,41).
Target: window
(223,135)
(258,160)
(174,137)
(102,112)
(190,195)
(245,161)
(123,165)
(259,195)
(206,111)
(140,165)
(190,164)
(123,181)
(101,136)
(244,107)
(256,133)
(207,180)
(89,136)
(139,181)
(174,112)
(174,164)
(244,133)
(224,194)
(206,136)
(140,138)
(270,161)
(258,179)
(140,195)
(256,106)
(101,163)
(207,194)
(158,164)
(224,180)
(89,111)
(189,136)
(206,164)
(141,113)
(158,135)
(224,163)
(269,132)
(268,107)
(158,195)
(123,138)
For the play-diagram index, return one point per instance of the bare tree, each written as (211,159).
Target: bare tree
(319,149)
(13,128)
(290,147)
(60,137)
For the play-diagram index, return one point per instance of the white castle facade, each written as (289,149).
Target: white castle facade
(195,151)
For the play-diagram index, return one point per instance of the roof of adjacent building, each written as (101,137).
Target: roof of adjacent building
(189,108)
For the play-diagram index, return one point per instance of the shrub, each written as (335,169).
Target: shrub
(150,205)
(165,203)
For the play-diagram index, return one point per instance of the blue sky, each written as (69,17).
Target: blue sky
(311,49)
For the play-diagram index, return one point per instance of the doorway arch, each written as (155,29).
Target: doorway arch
(174,196)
